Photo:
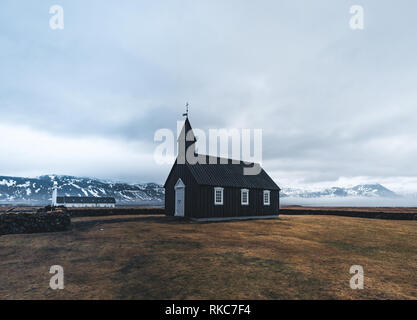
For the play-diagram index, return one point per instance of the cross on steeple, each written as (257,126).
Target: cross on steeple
(186,110)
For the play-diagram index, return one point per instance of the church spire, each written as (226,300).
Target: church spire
(186,139)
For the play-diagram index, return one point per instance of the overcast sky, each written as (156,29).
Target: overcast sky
(336,106)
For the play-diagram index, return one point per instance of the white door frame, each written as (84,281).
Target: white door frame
(179,191)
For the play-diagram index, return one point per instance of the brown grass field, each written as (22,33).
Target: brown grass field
(155,257)
(357,209)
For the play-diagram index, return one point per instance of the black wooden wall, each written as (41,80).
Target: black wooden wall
(232,206)
(191,190)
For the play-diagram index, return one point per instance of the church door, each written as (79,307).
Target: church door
(179,198)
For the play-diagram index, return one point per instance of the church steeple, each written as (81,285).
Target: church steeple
(54,194)
(186,139)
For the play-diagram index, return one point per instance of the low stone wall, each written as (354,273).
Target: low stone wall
(101,212)
(12,223)
(357,214)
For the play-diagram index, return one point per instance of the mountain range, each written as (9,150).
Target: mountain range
(363,190)
(38,191)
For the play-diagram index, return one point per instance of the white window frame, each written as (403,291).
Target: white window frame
(242,191)
(218,203)
(267,203)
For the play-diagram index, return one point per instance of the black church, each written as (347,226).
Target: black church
(215,188)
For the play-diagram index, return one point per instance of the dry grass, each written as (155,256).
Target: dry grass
(356,209)
(136,257)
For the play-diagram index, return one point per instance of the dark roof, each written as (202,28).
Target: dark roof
(229,173)
(95,200)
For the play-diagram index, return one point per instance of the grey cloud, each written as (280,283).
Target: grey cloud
(323,94)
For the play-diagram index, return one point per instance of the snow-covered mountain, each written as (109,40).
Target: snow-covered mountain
(38,191)
(364,190)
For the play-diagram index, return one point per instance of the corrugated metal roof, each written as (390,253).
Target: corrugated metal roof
(85,200)
(229,173)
